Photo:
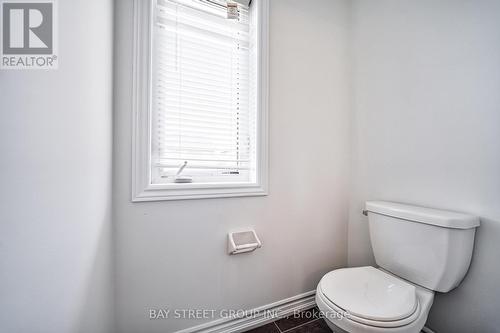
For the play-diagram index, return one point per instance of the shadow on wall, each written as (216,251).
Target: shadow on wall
(97,313)
(479,288)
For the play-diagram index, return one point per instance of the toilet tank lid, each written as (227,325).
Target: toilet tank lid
(442,218)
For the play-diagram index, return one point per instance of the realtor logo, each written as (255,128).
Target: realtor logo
(28,35)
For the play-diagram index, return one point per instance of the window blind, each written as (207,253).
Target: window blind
(202,112)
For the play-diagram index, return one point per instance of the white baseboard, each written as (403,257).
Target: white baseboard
(259,316)
(427,330)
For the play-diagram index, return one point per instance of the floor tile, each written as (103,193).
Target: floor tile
(302,324)
(269,328)
(297,319)
(317,326)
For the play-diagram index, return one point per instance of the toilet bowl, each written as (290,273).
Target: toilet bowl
(367,299)
(418,250)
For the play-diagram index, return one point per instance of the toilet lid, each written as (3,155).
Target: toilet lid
(367,292)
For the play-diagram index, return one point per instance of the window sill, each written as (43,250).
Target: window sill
(176,192)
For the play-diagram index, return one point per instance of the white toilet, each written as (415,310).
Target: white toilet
(418,251)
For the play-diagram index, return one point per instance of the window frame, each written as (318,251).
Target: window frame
(142,189)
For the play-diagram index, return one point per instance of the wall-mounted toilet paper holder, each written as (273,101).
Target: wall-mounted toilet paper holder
(242,241)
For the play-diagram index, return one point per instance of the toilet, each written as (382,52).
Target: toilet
(418,251)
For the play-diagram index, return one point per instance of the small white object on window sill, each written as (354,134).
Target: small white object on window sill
(182,179)
(242,241)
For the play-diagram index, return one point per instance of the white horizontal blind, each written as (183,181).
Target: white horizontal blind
(201,108)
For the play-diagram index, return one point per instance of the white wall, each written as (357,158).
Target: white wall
(427,131)
(172,254)
(55,174)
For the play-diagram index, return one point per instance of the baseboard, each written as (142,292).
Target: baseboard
(427,330)
(259,316)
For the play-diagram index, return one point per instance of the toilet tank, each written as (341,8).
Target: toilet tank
(429,247)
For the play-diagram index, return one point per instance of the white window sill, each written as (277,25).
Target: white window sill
(193,191)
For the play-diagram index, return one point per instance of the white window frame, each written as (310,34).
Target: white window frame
(142,189)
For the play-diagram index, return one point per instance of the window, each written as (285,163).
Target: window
(200,99)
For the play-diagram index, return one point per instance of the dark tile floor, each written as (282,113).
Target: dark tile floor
(308,322)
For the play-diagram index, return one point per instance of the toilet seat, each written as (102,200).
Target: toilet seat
(336,312)
(370,297)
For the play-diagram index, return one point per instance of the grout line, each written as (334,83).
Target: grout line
(279,330)
(291,329)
